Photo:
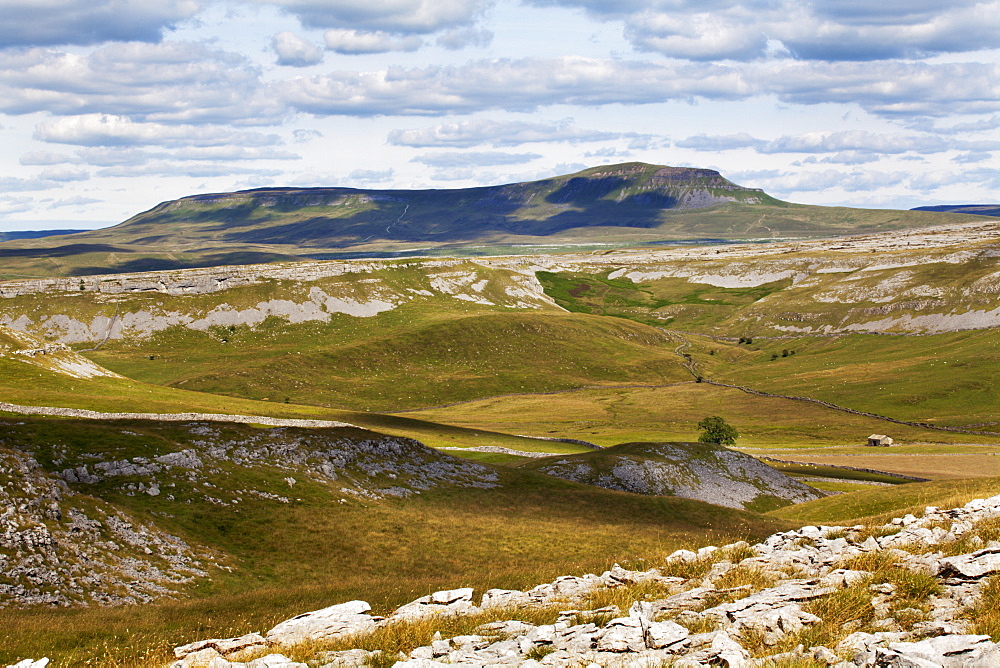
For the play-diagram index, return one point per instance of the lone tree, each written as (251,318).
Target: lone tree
(716,430)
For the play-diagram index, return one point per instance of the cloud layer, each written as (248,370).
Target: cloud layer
(896,97)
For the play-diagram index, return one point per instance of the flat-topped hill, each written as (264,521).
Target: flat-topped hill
(604,207)
(626,195)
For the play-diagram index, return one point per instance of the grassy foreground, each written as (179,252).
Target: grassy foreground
(314,553)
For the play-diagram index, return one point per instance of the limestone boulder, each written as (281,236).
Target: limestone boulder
(447,602)
(335,621)
(971,566)
(955,651)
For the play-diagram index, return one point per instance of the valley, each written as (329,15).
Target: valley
(244,442)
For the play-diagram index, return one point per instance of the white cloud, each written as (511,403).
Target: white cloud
(783,184)
(720,142)
(63,174)
(464,134)
(11,184)
(294,51)
(111,156)
(967,127)
(45,158)
(168,82)
(463,174)
(889,88)
(363,176)
(14,204)
(55,22)
(359,42)
(191,170)
(514,85)
(111,130)
(808,29)
(933,180)
(303,136)
(973,157)
(856,140)
(461,38)
(78,200)
(851,146)
(399,16)
(473,159)
(842,158)
(609,152)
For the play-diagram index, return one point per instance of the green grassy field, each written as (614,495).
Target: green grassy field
(942,379)
(384,364)
(616,415)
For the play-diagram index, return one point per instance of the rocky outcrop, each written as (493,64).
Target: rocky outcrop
(702,620)
(60,548)
(55,357)
(866,283)
(699,471)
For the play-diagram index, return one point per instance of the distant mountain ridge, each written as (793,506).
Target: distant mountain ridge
(34,234)
(974,209)
(601,208)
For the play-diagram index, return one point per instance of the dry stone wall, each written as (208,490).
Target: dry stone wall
(169,417)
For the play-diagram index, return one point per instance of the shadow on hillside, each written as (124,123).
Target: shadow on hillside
(60,251)
(467,215)
(160,264)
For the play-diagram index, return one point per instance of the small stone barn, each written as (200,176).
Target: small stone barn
(879,441)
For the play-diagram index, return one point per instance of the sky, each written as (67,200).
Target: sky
(108,107)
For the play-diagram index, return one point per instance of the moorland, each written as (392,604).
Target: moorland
(439,377)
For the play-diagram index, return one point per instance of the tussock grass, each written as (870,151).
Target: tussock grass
(842,612)
(851,609)
(746,576)
(624,596)
(983,614)
(404,636)
(689,570)
(984,531)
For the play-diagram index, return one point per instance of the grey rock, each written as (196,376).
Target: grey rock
(451,601)
(947,651)
(274,661)
(222,646)
(660,635)
(502,598)
(625,634)
(971,566)
(727,652)
(333,622)
(351,658)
